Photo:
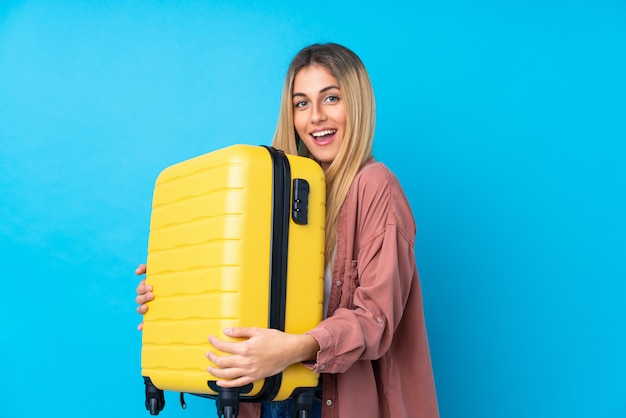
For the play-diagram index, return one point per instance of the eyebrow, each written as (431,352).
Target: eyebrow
(325,89)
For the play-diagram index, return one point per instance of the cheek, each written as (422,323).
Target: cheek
(299,126)
(340,116)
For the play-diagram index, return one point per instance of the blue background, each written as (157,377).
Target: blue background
(505,122)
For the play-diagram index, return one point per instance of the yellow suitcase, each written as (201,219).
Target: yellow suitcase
(236,240)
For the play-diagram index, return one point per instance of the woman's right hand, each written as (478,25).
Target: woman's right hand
(144,293)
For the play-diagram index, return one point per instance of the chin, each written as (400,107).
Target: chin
(324,159)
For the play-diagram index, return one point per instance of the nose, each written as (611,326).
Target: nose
(317,113)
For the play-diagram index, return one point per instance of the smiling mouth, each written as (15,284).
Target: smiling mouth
(323,135)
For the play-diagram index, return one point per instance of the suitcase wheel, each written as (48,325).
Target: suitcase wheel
(154,406)
(155,400)
(229,412)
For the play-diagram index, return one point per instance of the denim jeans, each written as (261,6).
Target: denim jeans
(282,409)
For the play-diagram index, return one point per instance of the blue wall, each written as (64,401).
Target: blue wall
(505,122)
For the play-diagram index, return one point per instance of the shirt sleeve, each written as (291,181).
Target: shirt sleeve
(379,280)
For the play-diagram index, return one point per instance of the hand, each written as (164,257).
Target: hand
(144,293)
(265,352)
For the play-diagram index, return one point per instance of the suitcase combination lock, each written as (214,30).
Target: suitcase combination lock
(300,203)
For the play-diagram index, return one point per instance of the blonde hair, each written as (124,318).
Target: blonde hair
(356,147)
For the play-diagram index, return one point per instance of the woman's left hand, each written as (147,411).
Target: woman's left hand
(264,352)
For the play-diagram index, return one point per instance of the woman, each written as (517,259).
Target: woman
(371,349)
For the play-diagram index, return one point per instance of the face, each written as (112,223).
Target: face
(319,112)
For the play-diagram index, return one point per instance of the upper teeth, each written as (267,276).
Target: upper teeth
(322,133)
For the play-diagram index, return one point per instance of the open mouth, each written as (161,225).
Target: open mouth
(324,135)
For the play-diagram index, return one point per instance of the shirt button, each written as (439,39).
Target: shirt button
(339,283)
(379,320)
(322,367)
(329,402)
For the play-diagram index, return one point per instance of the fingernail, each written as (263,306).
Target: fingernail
(228,331)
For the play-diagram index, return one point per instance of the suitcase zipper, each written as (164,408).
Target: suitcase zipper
(279,244)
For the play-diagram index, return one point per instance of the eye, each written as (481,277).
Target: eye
(300,104)
(332,99)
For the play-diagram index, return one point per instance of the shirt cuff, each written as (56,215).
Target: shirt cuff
(325,356)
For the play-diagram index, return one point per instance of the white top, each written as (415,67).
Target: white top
(328,281)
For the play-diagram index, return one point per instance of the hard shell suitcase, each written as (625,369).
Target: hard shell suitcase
(236,240)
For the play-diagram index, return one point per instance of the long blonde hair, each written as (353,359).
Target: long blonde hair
(356,147)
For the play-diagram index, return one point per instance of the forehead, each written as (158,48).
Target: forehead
(312,79)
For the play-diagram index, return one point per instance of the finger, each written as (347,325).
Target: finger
(146,297)
(142,309)
(143,287)
(235,383)
(214,358)
(231,377)
(140,326)
(225,361)
(227,373)
(223,346)
(241,332)
(141,269)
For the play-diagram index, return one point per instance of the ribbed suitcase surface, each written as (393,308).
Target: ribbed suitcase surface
(212,254)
